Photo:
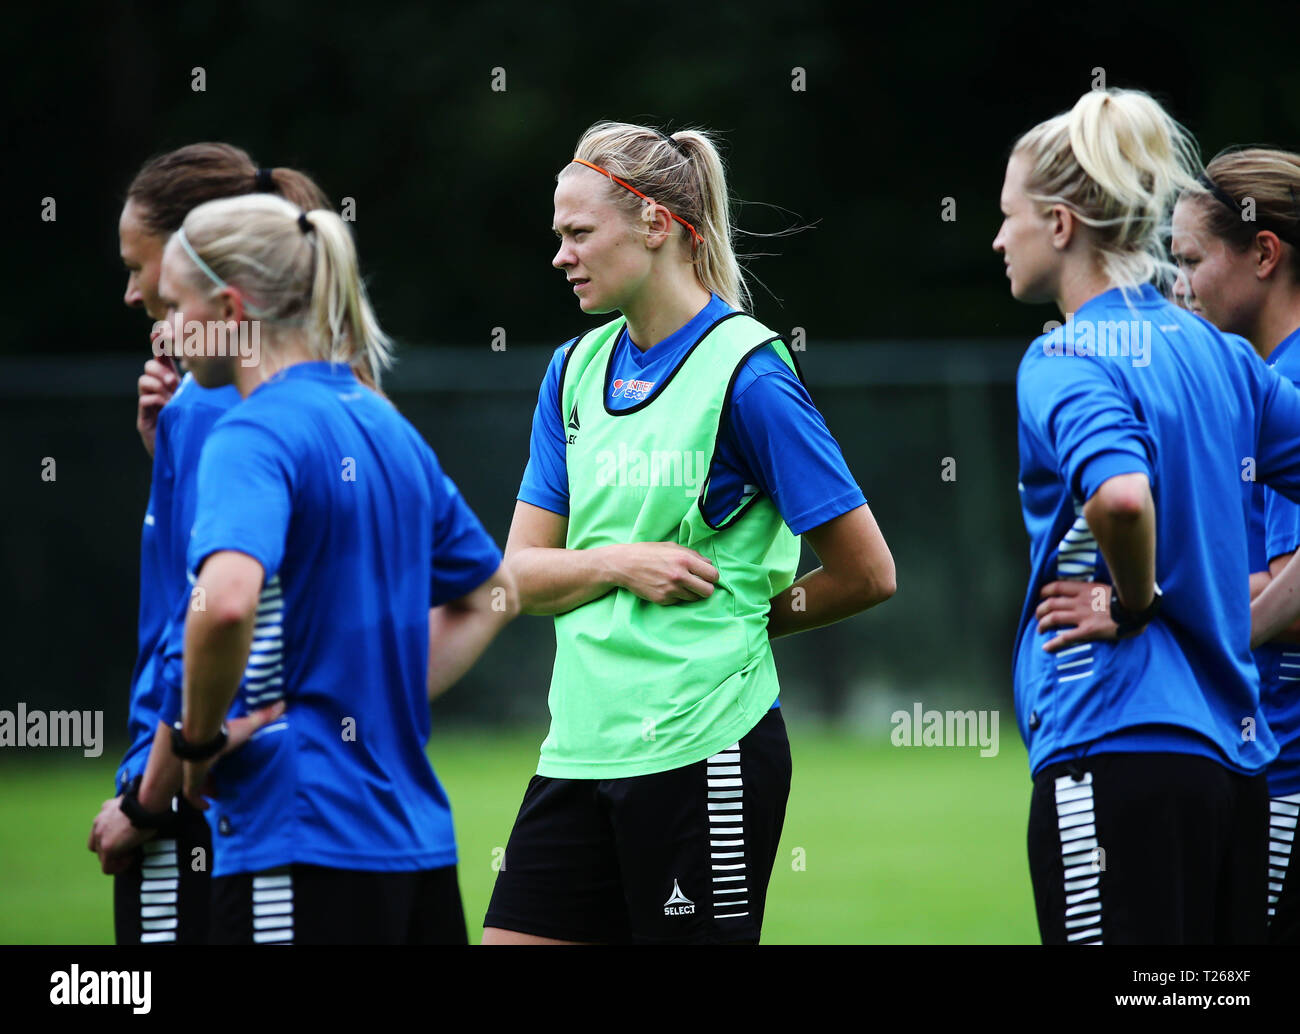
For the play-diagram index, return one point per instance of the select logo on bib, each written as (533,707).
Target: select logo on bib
(574,426)
(678,904)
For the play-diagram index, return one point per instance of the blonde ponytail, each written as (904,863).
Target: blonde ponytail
(294,268)
(1119,161)
(340,310)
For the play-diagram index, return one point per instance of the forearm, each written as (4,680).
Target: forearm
(457,639)
(162,774)
(820,598)
(1275,611)
(553,581)
(216,653)
(1258,582)
(1126,536)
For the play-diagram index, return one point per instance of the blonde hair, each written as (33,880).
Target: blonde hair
(688,178)
(256,243)
(1271,179)
(1118,161)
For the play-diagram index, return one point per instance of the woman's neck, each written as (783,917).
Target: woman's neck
(663,308)
(1079,285)
(283,350)
(1277,319)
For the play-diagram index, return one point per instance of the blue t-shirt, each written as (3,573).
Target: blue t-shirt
(359,533)
(1276,532)
(183,424)
(772,439)
(1138,385)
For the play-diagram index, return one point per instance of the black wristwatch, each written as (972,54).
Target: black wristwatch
(136,813)
(1128,622)
(187,751)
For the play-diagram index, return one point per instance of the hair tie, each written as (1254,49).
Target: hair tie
(1222,195)
(305,224)
(1283,233)
(264,182)
(676,146)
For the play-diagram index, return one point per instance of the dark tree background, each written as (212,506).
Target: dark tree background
(912,337)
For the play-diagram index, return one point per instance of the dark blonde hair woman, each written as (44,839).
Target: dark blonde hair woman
(675,458)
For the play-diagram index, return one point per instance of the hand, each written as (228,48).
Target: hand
(114,839)
(1083,605)
(155,387)
(195,781)
(664,572)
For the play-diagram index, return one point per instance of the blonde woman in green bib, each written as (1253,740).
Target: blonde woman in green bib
(675,459)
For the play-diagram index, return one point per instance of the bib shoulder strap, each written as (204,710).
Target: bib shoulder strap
(739,336)
(580,355)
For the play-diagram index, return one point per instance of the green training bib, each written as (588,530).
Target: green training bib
(640,687)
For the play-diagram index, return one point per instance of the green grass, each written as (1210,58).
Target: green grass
(895,845)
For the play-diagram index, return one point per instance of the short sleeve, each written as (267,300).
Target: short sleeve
(1278,446)
(245,493)
(1085,418)
(546,477)
(784,442)
(464,555)
(1281,525)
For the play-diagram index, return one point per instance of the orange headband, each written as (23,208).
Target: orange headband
(624,183)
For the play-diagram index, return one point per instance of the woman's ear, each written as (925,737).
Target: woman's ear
(1268,253)
(659,225)
(231,305)
(1064,225)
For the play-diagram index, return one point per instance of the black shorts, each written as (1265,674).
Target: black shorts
(1283,877)
(1149,849)
(310,904)
(164,897)
(682,856)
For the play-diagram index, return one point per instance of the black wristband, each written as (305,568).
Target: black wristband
(1128,622)
(187,751)
(136,813)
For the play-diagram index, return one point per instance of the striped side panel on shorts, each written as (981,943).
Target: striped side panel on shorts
(1080,854)
(1282,815)
(159,889)
(727,834)
(273,909)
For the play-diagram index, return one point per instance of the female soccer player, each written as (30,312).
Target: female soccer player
(320,507)
(1240,263)
(675,456)
(174,905)
(1238,268)
(1148,816)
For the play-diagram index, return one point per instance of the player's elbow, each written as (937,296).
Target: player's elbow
(883,585)
(228,590)
(877,583)
(1119,500)
(510,605)
(229,607)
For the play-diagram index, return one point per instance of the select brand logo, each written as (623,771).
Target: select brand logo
(125,987)
(678,904)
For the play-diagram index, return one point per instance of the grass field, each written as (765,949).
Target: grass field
(882,844)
